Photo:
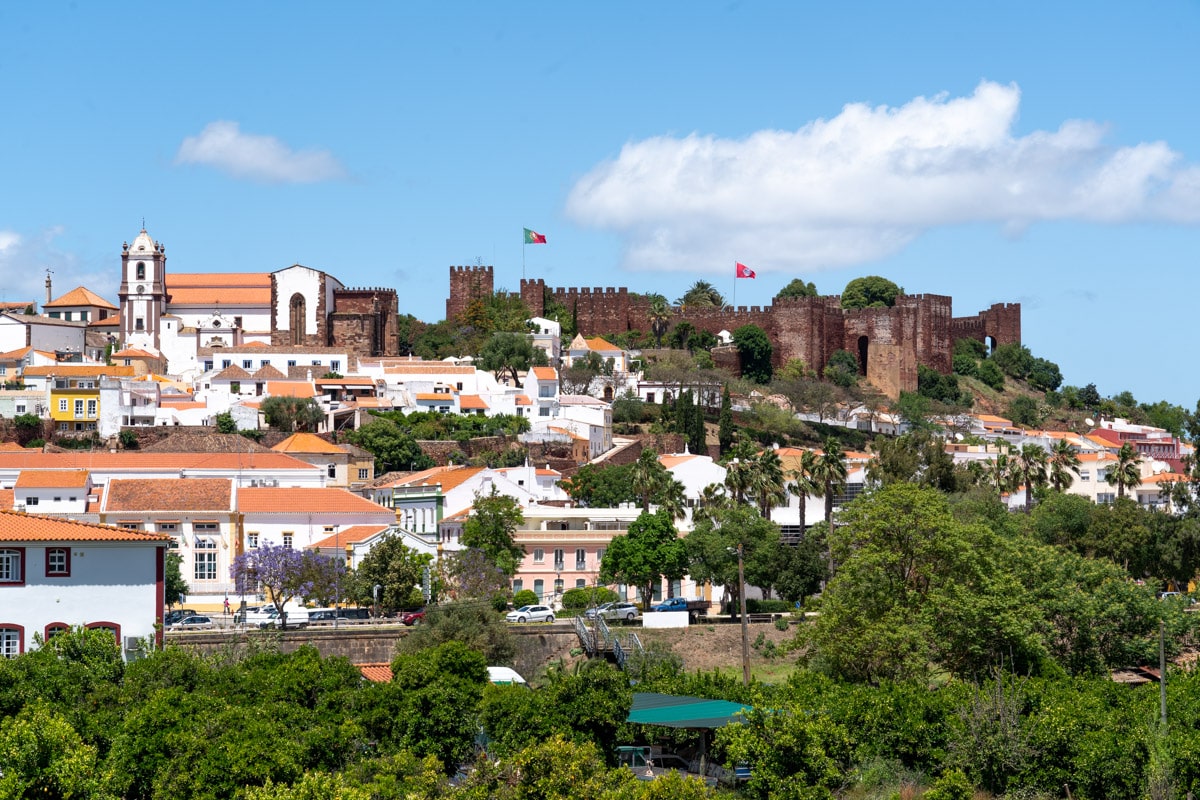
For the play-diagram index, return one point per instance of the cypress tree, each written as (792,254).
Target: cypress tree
(725,430)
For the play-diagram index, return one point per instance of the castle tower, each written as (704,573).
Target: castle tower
(467,284)
(143,292)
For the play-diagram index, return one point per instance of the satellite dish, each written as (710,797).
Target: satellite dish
(1091,423)
(958,436)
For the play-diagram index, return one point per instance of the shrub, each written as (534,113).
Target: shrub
(768,606)
(991,375)
(965,365)
(587,596)
(525,597)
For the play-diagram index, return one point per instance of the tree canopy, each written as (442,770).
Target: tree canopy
(797,288)
(754,349)
(648,552)
(871,291)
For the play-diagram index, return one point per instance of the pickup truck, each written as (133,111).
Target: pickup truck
(694,607)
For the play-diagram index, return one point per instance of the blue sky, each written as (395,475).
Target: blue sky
(1042,153)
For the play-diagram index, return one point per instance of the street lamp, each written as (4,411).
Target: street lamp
(745,627)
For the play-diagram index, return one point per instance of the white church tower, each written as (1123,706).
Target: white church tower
(143,293)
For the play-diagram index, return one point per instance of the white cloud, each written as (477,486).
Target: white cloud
(862,185)
(262,158)
(24,259)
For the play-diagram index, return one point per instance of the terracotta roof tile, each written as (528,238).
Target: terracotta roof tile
(80,296)
(223,296)
(449,477)
(16,527)
(7,499)
(111,321)
(290,500)
(596,343)
(11,446)
(299,389)
(425,368)
(150,494)
(352,535)
(181,280)
(52,479)
(523,400)
(80,371)
(380,672)
(471,402)
(433,396)
(545,373)
(306,443)
(268,372)
(138,460)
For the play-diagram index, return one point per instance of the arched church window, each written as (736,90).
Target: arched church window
(297,319)
(141,271)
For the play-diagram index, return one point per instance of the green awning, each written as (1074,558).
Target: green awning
(677,711)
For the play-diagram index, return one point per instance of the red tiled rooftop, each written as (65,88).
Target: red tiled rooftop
(292,500)
(158,494)
(16,527)
(133,460)
(352,535)
(80,296)
(52,479)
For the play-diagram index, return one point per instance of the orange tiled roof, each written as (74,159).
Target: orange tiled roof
(20,352)
(133,352)
(268,371)
(271,500)
(425,368)
(307,443)
(15,527)
(186,280)
(111,321)
(7,499)
(232,373)
(449,477)
(548,472)
(545,373)
(379,672)
(79,296)
(433,396)
(79,371)
(462,513)
(596,343)
(523,400)
(675,460)
(11,446)
(135,460)
(471,402)
(52,479)
(352,535)
(1166,476)
(157,494)
(291,389)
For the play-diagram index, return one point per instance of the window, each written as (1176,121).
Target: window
(235,387)
(225,363)
(1085,475)
(112,627)
(580,559)
(600,556)
(316,362)
(558,558)
(62,406)
(58,562)
(649,397)
(206,559)
(558,585)
(266,362)
(55,628)
(91,408)
(1104,498)
(335,366)
(168,527)
(141,271)
(362,474)
(58,499)
(20,408)
(539,588)
(291,362)
(539,555)
(130,525)
(139,324)
(12,641)
(208,365)
(580,583)
(11,562)
(518,585)
(237,323)
(545,391)
(247,363)
(287,541)
(331,470)
(543,412)
(31,501)
(204,526)
(252,541)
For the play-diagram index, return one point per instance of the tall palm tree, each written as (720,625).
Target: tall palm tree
(804,484)
(739,470)
(702,294)
(1063,461)
(830,471)
(767,484)
(647,477)
(712,498)
(660,317)
(1031,464)
(1127,472)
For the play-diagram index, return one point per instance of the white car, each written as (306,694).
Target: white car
(621,611)
(531,614)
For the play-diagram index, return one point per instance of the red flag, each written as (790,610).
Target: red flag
(743,271)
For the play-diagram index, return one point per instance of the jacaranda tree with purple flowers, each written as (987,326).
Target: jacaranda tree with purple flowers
(283,574)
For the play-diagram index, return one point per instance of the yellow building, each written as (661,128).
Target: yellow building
(73,392)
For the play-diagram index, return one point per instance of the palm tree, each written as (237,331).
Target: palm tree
(767,484)
(660,317)
(830,471)
(804,483)
(1031,463)
(739,470)
(1127,472)
(712,498)
(1063,461)
(702,294)
(647,477)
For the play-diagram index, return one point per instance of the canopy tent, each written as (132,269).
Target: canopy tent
(677,711)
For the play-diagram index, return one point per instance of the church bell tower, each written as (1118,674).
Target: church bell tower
(143,293)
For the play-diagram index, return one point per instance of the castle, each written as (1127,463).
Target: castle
(890,343)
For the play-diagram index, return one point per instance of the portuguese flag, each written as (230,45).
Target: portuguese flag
(533,237)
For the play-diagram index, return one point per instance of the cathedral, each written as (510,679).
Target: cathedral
(178,316)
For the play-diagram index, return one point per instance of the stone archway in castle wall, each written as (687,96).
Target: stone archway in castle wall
(864,346)
(990,341)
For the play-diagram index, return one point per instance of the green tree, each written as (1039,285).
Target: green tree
(601,486)
(393,448)
(41,755)
(1127,472)
(174,586)
(1014,360)
(805,483)
(870,292)
(291,414)
(494,519)
(701,294)
(842,369)
(713,544)
(725,424)
(225,423)
(650,551)
(510,353)
(797,288)
(1063,461)
(1024,410)
(1044,375)
(653,484)
(29,427)
(991,375)
(660,317)
(830,470)
(1031,462)
(399,572)
(474,625)
(754,350)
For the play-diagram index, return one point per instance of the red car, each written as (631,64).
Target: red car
(412,617)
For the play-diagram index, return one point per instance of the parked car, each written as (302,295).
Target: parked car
(531,614)
(598,611)
(194,622)
(412,617)
(624,610)
(174,616)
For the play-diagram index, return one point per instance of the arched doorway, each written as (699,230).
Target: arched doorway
(991,344)
(296,318)
(862,355)
(608,394)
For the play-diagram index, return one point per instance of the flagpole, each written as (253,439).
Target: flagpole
(522,255)
(735,286)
